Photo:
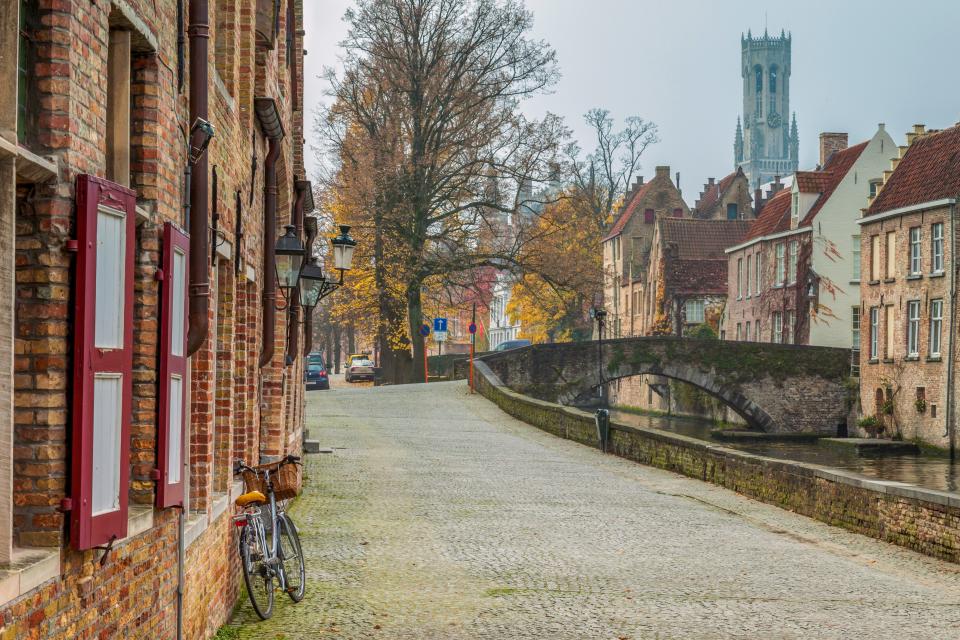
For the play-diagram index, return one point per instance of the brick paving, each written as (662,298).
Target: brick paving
(439,516)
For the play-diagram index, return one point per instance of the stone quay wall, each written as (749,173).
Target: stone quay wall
(923,520)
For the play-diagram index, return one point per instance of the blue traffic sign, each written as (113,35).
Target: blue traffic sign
(424,330)
(473,327)
(439,325)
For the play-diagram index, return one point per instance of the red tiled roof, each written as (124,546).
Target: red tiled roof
(697,276)
(702,239)
(773,218)
(930,170)
(624,218)
(812,181)
(838,164)
(713,194)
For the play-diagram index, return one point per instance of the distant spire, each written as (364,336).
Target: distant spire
(794,139)
(738,144)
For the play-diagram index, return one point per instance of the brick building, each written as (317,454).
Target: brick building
(140,340)
(795,278)
(908,289)
(626,248)
(686,283)
(728,199)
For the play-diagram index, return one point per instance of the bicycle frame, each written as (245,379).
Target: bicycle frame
(271,551)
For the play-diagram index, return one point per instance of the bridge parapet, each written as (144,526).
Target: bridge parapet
(775,388)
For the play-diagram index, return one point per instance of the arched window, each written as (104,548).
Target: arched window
(772,89)
(758,72)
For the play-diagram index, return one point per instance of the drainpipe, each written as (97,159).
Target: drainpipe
(199,34)
(951,395)
(197,186)
(269,244)
(293,324)
(311,229)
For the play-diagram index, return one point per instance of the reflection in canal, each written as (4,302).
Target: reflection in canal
(932,472)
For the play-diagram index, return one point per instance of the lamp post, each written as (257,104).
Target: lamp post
(288,258)
(602,416)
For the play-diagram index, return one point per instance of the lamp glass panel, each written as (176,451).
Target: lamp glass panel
(288,269)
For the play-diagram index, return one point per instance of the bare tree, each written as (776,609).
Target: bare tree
(604,176)
(434,86)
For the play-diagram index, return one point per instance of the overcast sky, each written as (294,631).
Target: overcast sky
(855,64)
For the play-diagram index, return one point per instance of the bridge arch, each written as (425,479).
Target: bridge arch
(775,388)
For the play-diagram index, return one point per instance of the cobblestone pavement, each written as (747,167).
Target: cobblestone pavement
(439,516)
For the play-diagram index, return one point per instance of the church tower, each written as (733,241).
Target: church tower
(767,145)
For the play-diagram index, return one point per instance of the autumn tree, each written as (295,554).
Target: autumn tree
(429,94)
(562,265)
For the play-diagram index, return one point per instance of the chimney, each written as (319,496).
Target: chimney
(757,202)
(663,171)
(831,143)
(678,182)
(710,181)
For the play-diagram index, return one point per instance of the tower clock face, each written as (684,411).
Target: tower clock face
(773,119)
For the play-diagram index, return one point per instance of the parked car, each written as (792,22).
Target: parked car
(506,345)
(315,375)
(355,356)
(360,369)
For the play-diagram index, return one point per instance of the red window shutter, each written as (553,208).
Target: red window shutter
(173,367)
(103,361)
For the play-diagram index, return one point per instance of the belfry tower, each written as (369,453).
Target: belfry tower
(766,145)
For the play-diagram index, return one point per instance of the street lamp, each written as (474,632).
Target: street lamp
(343,246)
(312,283)
(288,259)
(602,416)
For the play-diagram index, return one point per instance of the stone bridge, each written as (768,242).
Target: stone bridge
(775,388)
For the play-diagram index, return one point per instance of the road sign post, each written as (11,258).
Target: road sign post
(473,340)
(425,331)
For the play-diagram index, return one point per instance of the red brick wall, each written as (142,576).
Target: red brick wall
(133,594)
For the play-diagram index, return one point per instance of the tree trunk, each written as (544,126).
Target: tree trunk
(415,318)
(337,355)
(351,339)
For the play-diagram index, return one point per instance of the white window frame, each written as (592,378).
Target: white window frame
(936,247)
(757,265)
(695,309)
(792,264)
(781,264)
(749,259)
(739,278)
(936,328)
(791,326)
(874,333)
(913,328)
(777,329)
(916,254)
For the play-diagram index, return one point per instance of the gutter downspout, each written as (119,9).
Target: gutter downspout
(269,244)
(308,319)
(199,33)
(951,392)
(293,321)
(198,187)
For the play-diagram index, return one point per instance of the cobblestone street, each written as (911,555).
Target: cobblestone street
(439,516)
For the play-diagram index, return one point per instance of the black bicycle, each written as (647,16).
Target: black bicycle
(269,545)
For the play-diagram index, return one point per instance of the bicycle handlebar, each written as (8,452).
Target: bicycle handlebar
(239,466)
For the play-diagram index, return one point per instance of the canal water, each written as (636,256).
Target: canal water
(923,470)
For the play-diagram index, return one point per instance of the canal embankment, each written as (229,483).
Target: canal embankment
(922,519)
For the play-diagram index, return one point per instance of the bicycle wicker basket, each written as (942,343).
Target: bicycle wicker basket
(285,478)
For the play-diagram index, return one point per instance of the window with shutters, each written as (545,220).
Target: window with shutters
(913,328)
(103,359)
(891,255)
(172,413)
(874,258)
(936,248)
(936,327)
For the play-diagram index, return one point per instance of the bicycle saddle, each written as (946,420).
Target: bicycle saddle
(247,499)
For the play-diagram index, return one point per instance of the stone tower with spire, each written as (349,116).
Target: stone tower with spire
(765,145)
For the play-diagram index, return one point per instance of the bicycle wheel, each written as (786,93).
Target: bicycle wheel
(291,557)
(256,574)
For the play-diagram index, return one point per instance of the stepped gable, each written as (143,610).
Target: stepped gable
(928,171)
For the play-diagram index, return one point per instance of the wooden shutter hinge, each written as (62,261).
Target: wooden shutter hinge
(66,504)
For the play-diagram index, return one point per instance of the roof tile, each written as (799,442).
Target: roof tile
(930,170)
